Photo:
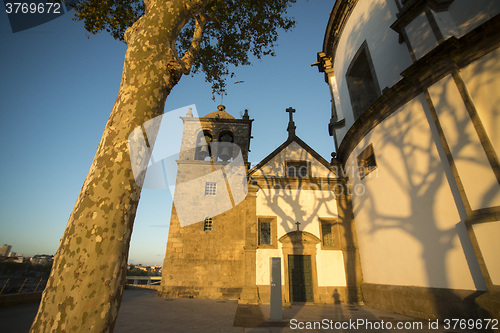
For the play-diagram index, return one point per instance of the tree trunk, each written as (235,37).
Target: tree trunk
(86,283)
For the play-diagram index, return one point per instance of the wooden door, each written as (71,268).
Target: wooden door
(300,278)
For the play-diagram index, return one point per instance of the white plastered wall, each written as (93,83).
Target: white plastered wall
(421,36)
(475,172)
(276,167)
(292,205)
(487,237)
(330,267)
(308,207)
(263,271)
(482,79)
(464,15)
(461,17)
(409,230)
(370,21)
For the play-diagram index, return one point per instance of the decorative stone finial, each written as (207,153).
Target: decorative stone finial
(291,124)
(334,160)
(245,116)
(221,108)
(189,113)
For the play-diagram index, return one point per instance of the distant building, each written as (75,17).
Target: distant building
(5,249)
(19,259)
(156,270)
(41,259)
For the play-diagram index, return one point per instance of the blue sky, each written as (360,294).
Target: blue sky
(57,89)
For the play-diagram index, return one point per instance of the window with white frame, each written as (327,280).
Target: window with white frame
(210,188)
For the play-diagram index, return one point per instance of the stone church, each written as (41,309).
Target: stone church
(415,123)
(292,207)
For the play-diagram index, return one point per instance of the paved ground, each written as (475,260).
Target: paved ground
(142,311)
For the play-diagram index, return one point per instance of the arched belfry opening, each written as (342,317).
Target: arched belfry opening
(203,149)
(226,143)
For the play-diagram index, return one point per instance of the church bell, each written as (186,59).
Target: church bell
(204,152)
(225,153)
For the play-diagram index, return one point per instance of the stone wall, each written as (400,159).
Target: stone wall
(432,303)
(205,264)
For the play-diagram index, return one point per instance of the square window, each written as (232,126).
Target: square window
(265,233)
(210,188)
(297,169)
(327,234)
(366,162)
(207,226)
(330,234)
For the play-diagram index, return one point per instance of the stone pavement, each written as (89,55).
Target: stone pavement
(141,311)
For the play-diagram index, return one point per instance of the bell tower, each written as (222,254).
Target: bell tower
(204,256)
(216,137)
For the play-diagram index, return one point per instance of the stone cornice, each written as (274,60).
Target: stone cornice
(217,120)
(271,182)
(293,138)
(338,18)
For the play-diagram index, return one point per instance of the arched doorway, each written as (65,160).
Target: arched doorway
(301,277)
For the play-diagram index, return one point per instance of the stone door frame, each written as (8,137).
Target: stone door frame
(299,243)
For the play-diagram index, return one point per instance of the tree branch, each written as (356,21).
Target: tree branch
(188,58)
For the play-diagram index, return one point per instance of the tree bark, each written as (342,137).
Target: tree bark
(86,283)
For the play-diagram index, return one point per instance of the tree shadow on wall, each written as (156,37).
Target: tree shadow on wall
(417,178)
(414,172)
(292,200)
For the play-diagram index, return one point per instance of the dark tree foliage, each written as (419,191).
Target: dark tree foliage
(235,30)
(113,16)
(137,272)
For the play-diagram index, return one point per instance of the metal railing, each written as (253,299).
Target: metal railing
(11,286)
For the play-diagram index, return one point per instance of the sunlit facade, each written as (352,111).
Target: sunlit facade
(223,236)
(414,87)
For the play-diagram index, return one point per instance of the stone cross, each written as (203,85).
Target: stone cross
(290,111)
(291,124)
(298,223)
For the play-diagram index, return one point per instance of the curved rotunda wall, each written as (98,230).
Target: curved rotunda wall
(370,21)
(408,227)
(435,142)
